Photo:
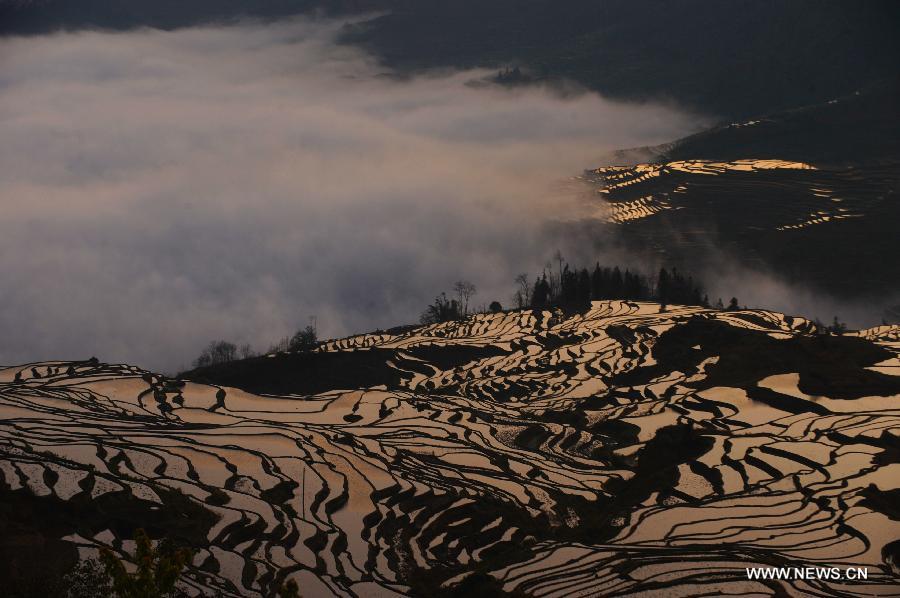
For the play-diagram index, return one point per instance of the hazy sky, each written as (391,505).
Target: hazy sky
(162,189)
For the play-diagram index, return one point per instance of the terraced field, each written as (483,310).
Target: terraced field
(830,226)
(616,452)
(805,194)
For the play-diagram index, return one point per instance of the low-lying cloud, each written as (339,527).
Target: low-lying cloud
(161,189)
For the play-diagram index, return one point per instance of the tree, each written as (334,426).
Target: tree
(837,327)
(158,569)
(281,345)
(442,310)
(555,280)
(304,339)
(247,351)
(663,286)
(819,327)
(733,304)
(616,284)
(597,277)
(540,296)
(523,293)
(464,291)
(495,307)
(215,353)
(559,262)
(519,299)
(568,287)
(583,288)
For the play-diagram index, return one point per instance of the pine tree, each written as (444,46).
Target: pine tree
(569,290)
(663,285)
(583,289)
(597,283)
(540,296)
(838,327)
(616,283)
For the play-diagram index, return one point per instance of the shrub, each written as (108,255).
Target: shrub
(290,589)
(158,569)
(88,579)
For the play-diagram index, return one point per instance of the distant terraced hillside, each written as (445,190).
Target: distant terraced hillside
(811,194)
(760,194)
(832,227)
(615,452)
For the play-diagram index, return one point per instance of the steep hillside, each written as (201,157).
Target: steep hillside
(619,451)
(832,228)
(811,194)
(857,128)
(735,59)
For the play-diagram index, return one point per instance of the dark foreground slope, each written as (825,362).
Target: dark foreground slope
(617,452)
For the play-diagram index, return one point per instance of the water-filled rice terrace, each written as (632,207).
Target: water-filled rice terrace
(830,225)
(620,451)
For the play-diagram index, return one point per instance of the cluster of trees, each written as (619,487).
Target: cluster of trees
(567,287)
(218,352)
(305,339)
(574,288)
(512,76)
(158,570)
(837,327)
(455,307)
(222,352)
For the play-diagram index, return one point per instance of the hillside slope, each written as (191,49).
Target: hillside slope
(613,452)
(811,194)
(734,59)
